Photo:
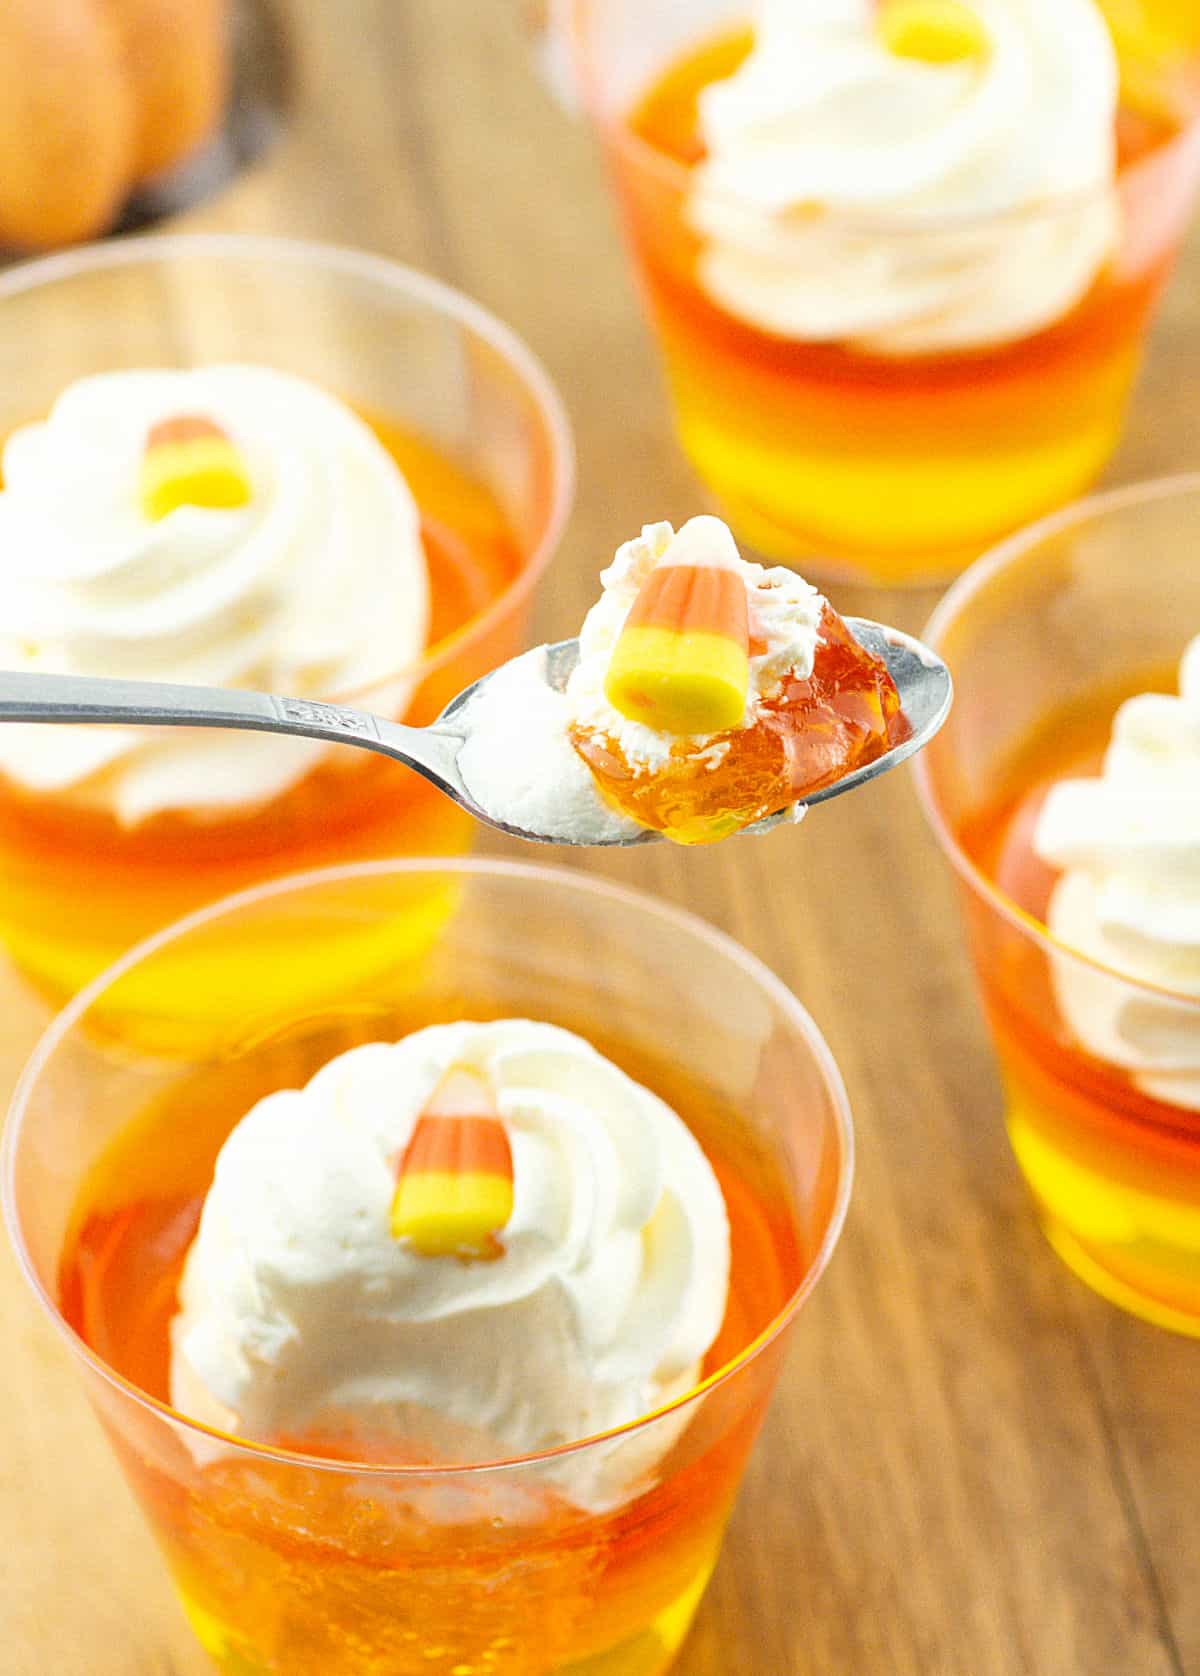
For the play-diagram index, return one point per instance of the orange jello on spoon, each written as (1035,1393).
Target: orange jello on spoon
(693,635)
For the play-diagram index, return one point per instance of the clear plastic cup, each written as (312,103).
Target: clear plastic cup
(1044,638)
(481,435)
(854,461)
(287,1563)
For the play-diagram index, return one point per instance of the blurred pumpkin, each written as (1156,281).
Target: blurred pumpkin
(95,97)
(176,60)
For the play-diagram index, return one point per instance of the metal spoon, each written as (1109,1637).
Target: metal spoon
(921,677)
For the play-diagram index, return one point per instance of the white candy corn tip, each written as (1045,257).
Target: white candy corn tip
(704,540)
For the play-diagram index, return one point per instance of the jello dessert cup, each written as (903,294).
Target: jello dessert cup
(900,256)
(258,463)
(650,1076)
(1065,791)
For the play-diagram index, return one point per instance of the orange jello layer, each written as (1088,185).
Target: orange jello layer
(809,734)
(302,1573)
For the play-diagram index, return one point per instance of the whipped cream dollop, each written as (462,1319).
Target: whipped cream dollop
(853,194)
(519,763)
(301,1316)
(1128,843)
(318,585)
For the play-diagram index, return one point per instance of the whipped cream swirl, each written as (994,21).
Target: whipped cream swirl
(520,764)
(852,194)
(301,1316)
(1129,846)
(318,585)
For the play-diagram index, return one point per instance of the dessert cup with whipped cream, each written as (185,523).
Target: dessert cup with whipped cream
(250,463)
(1066,793)
(900,255)
(432,1330)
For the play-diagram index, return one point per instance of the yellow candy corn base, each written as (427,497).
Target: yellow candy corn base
(689,682)
(206,471)
(932,31)
(442,1214)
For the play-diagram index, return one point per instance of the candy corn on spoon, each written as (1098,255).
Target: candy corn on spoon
(922,681)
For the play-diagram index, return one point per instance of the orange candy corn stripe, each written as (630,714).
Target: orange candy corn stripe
(190,461)
(185,427)
(681,663)
(454,1192)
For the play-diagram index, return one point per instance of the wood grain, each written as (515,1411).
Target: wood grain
(974,1467)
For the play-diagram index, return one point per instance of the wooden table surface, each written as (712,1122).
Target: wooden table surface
(974,1467)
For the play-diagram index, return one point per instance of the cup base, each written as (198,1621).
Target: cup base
(1138,1248)
(1085,1266)
(648,1652)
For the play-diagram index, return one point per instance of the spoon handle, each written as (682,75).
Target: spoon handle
(33,697)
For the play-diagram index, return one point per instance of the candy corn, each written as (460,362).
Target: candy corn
(455,1187)
(933,31)
(681,663)
(190,461)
